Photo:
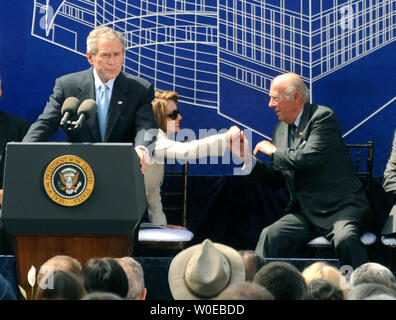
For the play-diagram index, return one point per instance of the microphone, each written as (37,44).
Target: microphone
(86,110)
(69,109)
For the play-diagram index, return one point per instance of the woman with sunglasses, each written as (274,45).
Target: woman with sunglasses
(168,118)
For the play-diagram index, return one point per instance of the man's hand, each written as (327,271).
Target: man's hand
(144,158)
(265,147)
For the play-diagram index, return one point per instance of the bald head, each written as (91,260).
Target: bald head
(288,94)
(292,83)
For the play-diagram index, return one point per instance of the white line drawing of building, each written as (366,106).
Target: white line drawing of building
(173,44)
(311,38)
(189,46)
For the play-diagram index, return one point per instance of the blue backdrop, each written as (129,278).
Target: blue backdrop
(220,56)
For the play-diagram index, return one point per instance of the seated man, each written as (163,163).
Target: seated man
(389,184)
(309,156)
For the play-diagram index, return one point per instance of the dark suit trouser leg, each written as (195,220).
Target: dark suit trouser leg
(285,237)
(348,247)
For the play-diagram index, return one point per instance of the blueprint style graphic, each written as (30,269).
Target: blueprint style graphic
(222,54)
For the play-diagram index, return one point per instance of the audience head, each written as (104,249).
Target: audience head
(381,296)
(320,289)
(372,272)
(253,263)
(62,262)
(60,285)
(203,271)
(283,280)
(321,270)
(245,291)
(134,273)
(105,274)
(367,290)
(100,295)
(166,112)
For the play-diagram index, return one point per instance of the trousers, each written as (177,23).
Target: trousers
(286,237)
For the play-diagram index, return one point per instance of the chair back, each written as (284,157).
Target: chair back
(174,193)
(362,158)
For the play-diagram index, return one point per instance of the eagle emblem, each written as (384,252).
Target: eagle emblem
(69,180)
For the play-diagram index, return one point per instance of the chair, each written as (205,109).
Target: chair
(174,199)
(364,171)
(389,241)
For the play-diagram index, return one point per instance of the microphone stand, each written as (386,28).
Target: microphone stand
(68,128)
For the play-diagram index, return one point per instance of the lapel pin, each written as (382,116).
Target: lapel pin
(120,102)
(300,133)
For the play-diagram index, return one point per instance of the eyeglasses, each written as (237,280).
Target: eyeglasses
(173,115)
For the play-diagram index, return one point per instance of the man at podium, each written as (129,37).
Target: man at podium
(123,101)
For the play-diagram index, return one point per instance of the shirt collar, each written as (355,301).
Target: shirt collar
(297,121)
(99,82)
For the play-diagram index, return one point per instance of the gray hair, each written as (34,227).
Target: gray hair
(297,84)
(294,83)
(366,290)
(372,272)
(100,33)
(134,272)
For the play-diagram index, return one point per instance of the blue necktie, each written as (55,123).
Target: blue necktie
(292,132)
(103,107)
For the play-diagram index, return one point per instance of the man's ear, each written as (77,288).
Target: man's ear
(90,57)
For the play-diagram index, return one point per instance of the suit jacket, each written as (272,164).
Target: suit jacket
(12,128)
(389,184)
(166,148)
(130,111)
(317,169)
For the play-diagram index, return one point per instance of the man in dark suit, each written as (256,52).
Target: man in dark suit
(124,101)
(389,184)
(327,199)
(12,128)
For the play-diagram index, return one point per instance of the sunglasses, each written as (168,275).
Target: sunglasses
(173,115)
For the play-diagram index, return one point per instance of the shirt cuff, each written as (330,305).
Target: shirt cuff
(145,149)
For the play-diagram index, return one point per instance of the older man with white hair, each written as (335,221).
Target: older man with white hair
(309,156)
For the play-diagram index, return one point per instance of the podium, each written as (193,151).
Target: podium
(79,199)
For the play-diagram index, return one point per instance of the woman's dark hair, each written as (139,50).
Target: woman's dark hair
(105,274)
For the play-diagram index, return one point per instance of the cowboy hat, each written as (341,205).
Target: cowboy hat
(204,270)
